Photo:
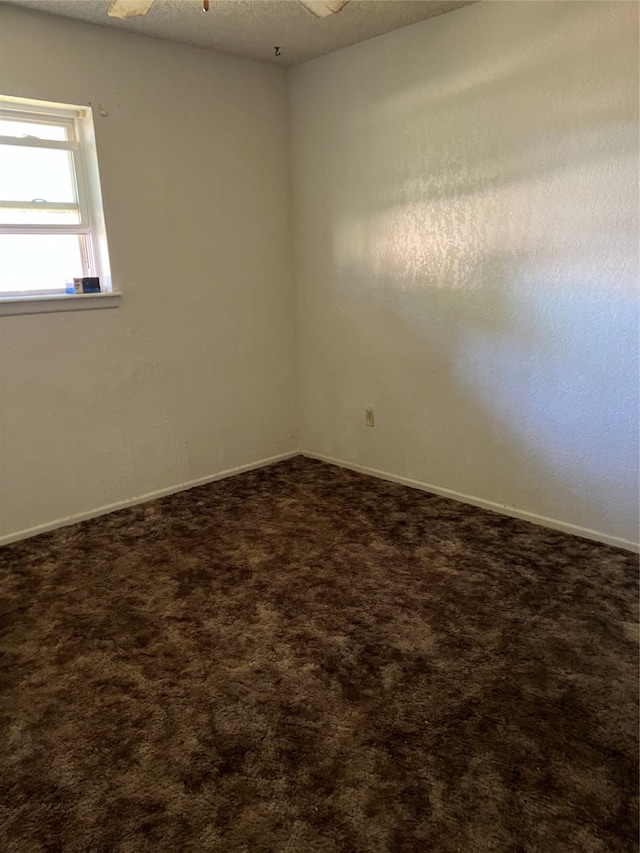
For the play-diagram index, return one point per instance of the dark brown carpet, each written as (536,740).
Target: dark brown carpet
(307,659)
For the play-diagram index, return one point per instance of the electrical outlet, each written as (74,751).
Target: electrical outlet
(369,417)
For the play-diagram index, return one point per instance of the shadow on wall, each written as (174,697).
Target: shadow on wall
(484,265)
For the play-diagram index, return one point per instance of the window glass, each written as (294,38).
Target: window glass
(9,127)
(36,173)
(32,262)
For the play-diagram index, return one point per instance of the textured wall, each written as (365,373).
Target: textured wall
(466,204)
(193,373)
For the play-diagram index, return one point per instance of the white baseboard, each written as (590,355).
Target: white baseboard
(139,499)
(541,520)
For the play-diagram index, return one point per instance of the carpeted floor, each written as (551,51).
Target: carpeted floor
(303,658)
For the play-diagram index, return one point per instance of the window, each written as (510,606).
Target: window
(51,220)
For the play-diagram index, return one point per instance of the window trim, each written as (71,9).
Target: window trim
(91,230)
(11,305)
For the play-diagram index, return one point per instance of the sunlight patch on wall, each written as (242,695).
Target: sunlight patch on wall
(473,240)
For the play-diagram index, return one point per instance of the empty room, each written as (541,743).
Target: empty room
(319,349)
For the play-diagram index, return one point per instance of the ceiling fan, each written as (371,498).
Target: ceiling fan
(134,8)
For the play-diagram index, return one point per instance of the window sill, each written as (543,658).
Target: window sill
(63,302)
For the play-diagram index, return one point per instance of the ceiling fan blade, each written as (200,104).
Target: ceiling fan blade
(129,8)
(323,8)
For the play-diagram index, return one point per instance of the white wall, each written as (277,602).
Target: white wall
(466,209)
(193,373)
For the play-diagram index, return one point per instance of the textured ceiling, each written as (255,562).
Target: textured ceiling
(252,28)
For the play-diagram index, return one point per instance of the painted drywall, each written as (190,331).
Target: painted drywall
(466,240)
(193,374)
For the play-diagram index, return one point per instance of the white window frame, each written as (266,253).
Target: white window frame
(91,230)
